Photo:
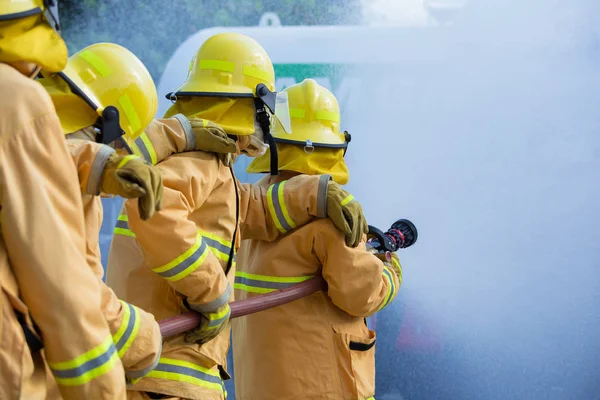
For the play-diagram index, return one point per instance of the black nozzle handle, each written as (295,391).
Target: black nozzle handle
(402,234)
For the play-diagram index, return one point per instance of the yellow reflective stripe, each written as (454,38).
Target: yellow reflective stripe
(272,209)
(149,147)
(387,274)
(257,73)
(327,116)
(130,113)
(87,366)
(218,65)
(204,123)
(214,316)
(184,371)
(219,246)
(297,112)
(284,209)
(252,289)
(186,263)
(124,323)
(279,279)
(214,237)
(128,330)
(347,200)
(124,232)
(96,62)
(123,217)
(126,159)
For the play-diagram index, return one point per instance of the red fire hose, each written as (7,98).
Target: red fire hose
(187,321)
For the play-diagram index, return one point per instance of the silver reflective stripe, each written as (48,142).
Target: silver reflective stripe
(189,133)
(213,305)
(216,245)
(277,207)
(88,366)
(219,321)
(133,315)
(139,142)
(122,224)
(263,284)
(182,266)
(177,369)
(322,196)
(143,372)
(95,178)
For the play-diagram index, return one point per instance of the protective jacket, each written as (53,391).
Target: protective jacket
(136,334)
(318,347)
(184,257)
(43,276)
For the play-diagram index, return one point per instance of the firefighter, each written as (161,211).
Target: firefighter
(48,293)
(184,257)
(318,347)
(99,77)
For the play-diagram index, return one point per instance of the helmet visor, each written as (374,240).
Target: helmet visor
(282,111)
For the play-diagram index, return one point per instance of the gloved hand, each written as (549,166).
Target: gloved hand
(346,214)
(130,177)
(211,138)
(392,261)
(212,324)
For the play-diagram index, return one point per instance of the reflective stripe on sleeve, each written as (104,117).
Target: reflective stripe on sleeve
(122,226)
(186,263)
(220,247)
(278,208)
(145,149)
(388,276)
(216,319)
(254,283)
(127,332)
(87,366)
(184,371)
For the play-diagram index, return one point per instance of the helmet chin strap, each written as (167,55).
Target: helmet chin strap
(263,119)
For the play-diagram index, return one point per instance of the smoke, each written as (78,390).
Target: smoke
(485,134)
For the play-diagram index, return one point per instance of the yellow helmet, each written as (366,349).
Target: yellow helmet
(30,32)
(17,9)
(227,65)
(115,86)
(315,144)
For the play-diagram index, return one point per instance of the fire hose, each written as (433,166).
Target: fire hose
(402,234)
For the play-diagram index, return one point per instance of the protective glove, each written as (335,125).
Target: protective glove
(212,324)
(211,138)
(392,261)
(130,177)
(346,214)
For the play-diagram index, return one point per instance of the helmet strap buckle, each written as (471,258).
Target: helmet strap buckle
(110,129)
(308,147)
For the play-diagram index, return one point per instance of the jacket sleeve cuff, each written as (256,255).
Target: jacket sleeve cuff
(187,128)
(95,178)
(322,196)
(215,304)
(133,375)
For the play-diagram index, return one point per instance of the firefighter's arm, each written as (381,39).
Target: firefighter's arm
(163,138)
(135,334)
(168,136)
(358,282)
(170,241)
(42,224)
(90,159)
(266,213)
